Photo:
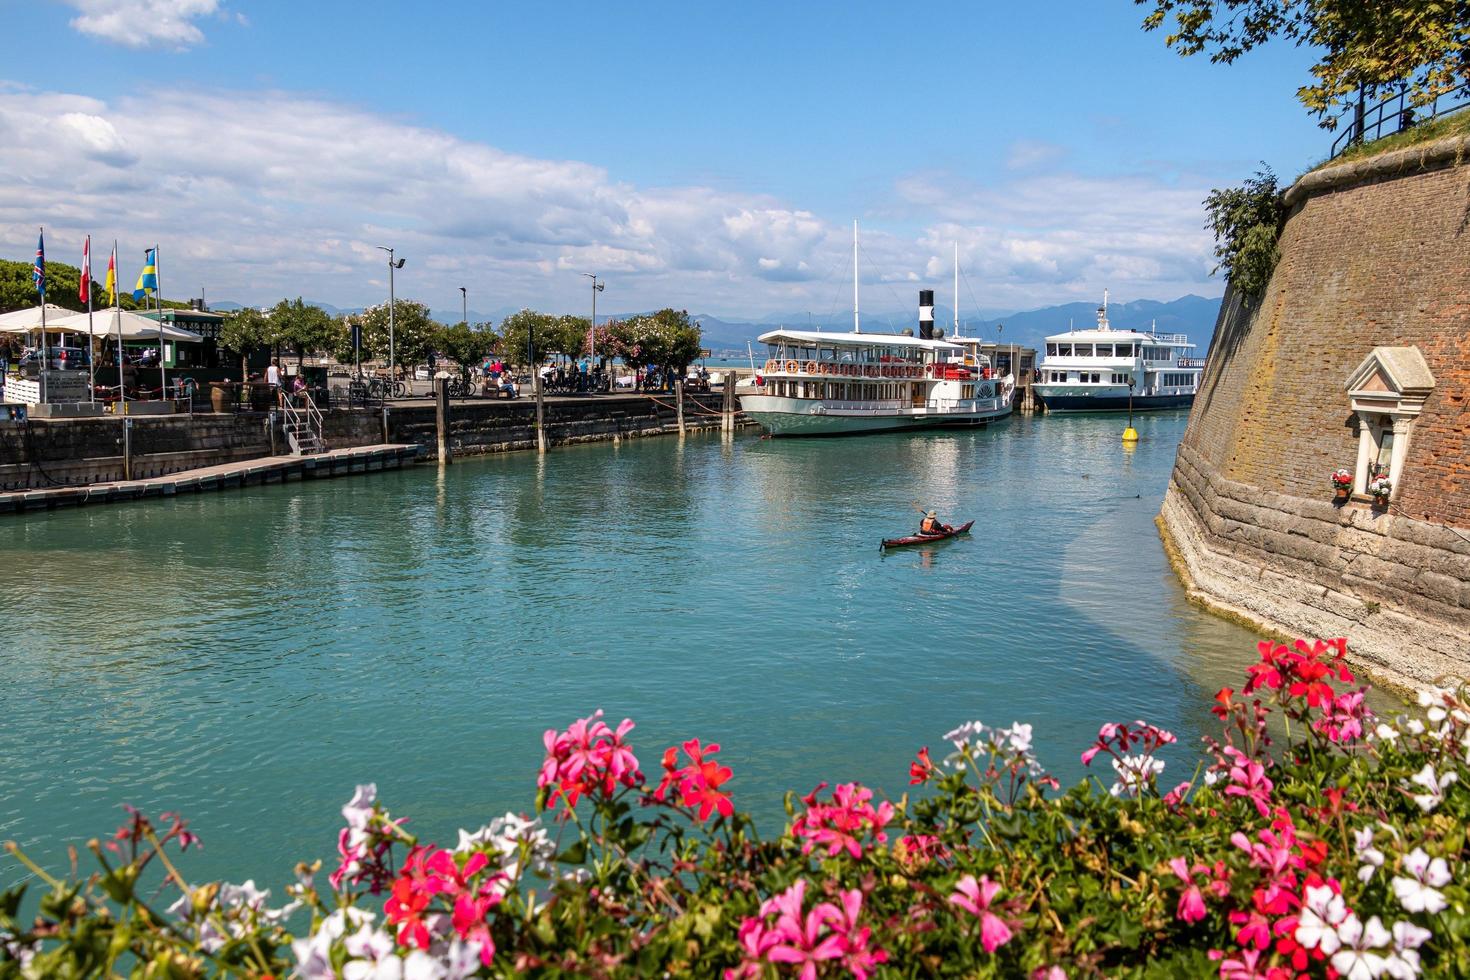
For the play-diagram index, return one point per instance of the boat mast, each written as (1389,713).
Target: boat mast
(856,328)
(956,289)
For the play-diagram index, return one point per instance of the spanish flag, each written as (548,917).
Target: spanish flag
(110,286)
(148,278)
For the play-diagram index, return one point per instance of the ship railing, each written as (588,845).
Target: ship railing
(1168,338)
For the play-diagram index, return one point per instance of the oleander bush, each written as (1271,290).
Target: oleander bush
(1334,849)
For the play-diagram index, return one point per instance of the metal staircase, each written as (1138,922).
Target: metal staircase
(302,425)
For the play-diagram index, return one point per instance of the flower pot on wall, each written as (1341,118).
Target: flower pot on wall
(1342,493)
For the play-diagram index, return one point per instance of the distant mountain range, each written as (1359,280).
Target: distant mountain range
(1192,315)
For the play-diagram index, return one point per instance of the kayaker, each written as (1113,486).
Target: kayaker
(930,524)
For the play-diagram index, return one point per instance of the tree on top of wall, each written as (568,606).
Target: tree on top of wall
(1424,46)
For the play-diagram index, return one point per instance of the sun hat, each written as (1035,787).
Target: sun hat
(932,513)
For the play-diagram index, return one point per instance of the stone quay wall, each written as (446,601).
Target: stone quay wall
(46,453)
(1374,253)
(67,452)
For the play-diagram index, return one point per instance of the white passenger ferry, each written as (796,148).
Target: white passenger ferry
(817,383)
(1094,370)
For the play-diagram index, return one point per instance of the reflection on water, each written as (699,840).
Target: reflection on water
(247,656)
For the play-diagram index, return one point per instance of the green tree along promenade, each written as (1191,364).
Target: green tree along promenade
(1424,46)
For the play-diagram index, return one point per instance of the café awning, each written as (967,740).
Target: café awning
(133,325)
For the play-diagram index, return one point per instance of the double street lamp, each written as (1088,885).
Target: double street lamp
(392,265)
(597,287)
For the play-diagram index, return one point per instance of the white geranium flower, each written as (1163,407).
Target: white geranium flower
(387,968)
(1414,726)
(1404,963)
(368,943)
(1386,732)
(961,736)
(1322,912)
(1420,893)
(419,965)
(1434,784)
(1359,959)
(461,960)
(1371,857)
(1018,737)
(1134,773)
(359,809)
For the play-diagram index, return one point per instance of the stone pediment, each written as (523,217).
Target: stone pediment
(1391,379)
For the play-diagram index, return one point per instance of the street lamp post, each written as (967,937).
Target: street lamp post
(392,303)
(464,304)
(597,287)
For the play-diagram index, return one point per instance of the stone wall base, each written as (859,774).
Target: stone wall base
(1397,588)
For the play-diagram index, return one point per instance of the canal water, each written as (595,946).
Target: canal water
(247,656)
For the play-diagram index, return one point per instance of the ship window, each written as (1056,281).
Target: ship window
(1104,350)
(1064,350)
(1051,350)
(1082,350)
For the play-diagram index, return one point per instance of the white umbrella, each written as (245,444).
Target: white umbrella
(132,325)
(24,321)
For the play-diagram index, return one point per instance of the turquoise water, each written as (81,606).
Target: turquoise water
(246,657)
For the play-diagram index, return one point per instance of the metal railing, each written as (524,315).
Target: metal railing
(302,424)
(1393,115)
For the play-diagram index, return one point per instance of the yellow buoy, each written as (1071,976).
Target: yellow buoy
(1130,434)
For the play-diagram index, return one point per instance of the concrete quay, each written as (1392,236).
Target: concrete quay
(241,473)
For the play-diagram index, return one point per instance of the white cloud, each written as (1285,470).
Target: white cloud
(260,195)
(144,23)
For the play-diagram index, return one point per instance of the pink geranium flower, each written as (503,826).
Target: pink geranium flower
(845,823)
(975,897)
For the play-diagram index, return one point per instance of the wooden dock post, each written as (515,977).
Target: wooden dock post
(441,418)
(727,416)
(540,410)
(679,400)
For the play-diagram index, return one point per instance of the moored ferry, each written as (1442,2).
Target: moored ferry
(816,383)
(1096,370)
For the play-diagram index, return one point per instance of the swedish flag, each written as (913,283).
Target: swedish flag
(148,278)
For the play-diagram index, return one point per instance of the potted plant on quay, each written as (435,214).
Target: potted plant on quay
(1380,488)
(1342,483)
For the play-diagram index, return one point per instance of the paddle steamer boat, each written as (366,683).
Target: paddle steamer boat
(817,383)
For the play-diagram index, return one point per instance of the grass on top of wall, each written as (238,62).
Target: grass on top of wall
(1457,123)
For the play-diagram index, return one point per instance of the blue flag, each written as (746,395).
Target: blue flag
(38,271)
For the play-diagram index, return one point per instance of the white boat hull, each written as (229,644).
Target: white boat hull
(810,417)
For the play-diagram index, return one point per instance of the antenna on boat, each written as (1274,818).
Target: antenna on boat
(1102,313)
(856,327)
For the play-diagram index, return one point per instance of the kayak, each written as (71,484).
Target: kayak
(925,538)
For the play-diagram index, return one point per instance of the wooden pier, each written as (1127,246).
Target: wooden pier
(248,472)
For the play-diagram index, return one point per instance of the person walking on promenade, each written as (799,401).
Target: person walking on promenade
(273,375)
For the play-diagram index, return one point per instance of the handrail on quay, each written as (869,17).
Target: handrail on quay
(1404,115)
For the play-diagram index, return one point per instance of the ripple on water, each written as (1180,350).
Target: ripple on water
(246,658)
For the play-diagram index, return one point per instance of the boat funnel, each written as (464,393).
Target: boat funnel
(926,314)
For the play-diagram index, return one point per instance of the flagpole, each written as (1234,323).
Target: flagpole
(41,288)
(158,307)
(122,391)
(91,339)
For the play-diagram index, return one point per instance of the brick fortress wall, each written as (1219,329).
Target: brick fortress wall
(1374,253)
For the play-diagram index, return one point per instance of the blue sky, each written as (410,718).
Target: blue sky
(701,156)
